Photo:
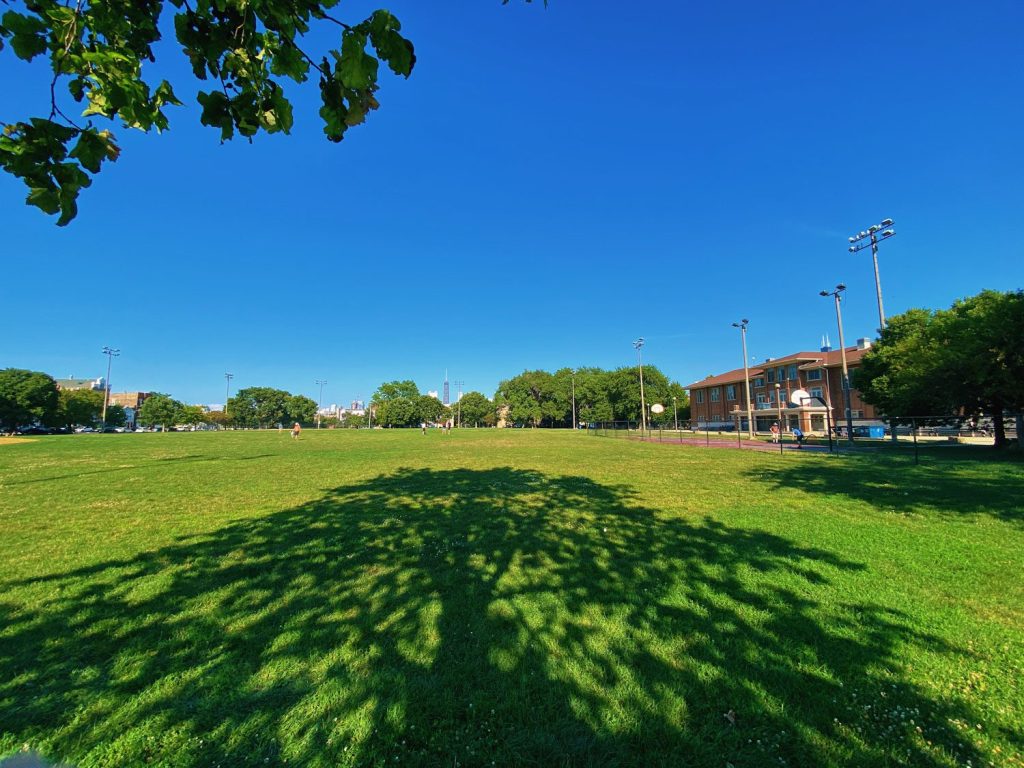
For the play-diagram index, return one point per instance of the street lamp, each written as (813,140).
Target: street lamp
(675,412)
(320,402)
(869,238)
(111,354)
(639,344)
(778,405)
(742,325)
(227,390)
(575,423)
(836,294)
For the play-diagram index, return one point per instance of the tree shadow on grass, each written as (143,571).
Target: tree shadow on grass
(497,617)
(952,487)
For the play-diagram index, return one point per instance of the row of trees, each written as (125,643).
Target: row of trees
(543,399)
(965,361)
(400,404)
(260,407)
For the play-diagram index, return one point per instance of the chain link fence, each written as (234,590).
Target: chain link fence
(795,432)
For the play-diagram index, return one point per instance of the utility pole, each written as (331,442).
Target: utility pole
(111,354)
(742,325)
(675,412)
(320,402)
(639,344)
(869,239)
(837,293)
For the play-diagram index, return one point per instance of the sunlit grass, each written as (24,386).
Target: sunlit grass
(506,598)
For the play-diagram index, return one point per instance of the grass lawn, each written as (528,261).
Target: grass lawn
(506,598)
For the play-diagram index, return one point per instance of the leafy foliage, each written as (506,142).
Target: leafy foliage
(244,48)
(268,407)
(431,410)
(475,410)
(964,361)
(26,397)
(159,410)
(540,398)
(79,407)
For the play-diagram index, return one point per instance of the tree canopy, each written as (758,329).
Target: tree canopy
(540,398)
(245,50)
(268,407)
(26,397)
(961,362)
(79,407)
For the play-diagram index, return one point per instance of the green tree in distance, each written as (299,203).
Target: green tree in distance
(431,410)
(391,390)
(301,409)
(26,397)
(476,410)
(79,407)
(159,410)
(116,416)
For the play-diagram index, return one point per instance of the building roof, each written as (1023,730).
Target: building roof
(810,360)
(80,383)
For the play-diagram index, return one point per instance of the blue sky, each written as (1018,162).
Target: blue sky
(549,185)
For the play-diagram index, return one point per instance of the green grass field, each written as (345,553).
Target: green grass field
(505,598)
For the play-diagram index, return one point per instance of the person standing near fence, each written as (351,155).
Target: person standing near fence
(799,435)
(775,432)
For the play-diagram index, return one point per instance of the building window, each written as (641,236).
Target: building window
(700,395)
(816,392)
(761,399)
(771,375)
(759,381)
(814,375)
(792,373)
(730,392)
(716,393)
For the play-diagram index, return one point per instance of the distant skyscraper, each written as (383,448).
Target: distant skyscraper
(445,400)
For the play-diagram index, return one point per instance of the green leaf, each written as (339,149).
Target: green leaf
(217,113)
(28,34)
(44,199)
(358,69)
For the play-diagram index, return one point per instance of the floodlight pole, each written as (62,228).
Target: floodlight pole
(320,402)
(836,294)
(639,343)
(778,405)
(742,325)
(675,413)
(111,354)
(227,390)
(869,239)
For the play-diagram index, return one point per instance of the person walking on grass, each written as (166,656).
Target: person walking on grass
(775,432)
(296,431)
(799,435)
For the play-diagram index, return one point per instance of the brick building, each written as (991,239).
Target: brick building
(719,402)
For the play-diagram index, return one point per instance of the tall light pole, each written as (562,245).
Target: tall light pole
(227,390)
(111,354)
(639,344)
(836,294)
(869,238)
(742,325)
(675,412)
(320,402)
(575,423)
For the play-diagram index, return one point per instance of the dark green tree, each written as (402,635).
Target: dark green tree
(430,410)
(301,409)
(396,412)
(476,410)
(25,398)
(116,416)
(159,410)
(79,407)
(961,362)
(259,407)
(391,390)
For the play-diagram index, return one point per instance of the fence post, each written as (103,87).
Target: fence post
(913,429)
